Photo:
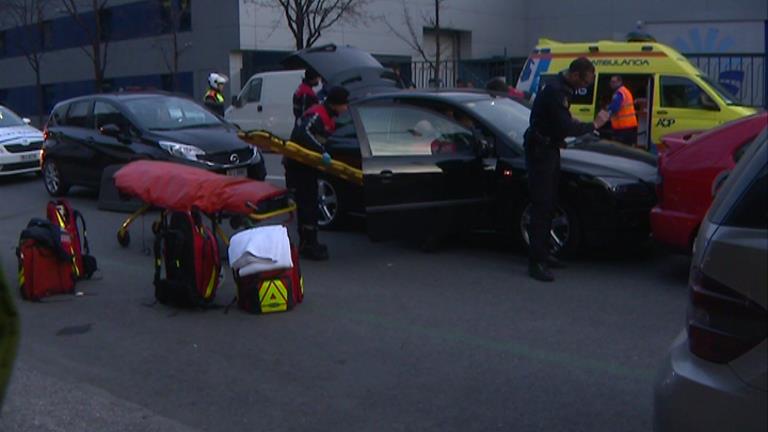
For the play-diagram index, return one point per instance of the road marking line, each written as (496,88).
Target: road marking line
(272,177)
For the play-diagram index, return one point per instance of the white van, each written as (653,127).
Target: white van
(266,102)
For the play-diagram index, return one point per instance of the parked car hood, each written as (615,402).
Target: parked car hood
(346,66)
(599,164)
(210,140)
(15,134)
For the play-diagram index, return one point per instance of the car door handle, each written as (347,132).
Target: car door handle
(585,109)
(259,108)
(386,174)
(662,112)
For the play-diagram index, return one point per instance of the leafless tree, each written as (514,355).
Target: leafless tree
(414,36)
(171,24)
(308,19)
(29,17)
(96,32)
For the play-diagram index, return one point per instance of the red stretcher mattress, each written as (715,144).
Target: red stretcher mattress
(179,187)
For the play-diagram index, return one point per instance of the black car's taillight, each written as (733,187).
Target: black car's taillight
(722,324)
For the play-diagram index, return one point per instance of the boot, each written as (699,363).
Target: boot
(309,247)
(540,271)
(555,263)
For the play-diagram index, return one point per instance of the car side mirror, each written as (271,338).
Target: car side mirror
(26,121)
(112,130)
(236,102)
(708,103)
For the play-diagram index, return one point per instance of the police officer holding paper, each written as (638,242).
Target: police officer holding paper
(551,123)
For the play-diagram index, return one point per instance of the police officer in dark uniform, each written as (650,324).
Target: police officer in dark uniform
(551,123)
(311,132)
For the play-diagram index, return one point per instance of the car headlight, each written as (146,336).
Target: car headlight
(623,185)
(181,150)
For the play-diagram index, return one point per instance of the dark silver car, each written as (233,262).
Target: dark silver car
(716,375)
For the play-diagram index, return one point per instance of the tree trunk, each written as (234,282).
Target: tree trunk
(437,43)
(41,111)
(174,75)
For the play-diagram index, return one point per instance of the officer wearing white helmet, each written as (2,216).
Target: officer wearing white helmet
(214,97)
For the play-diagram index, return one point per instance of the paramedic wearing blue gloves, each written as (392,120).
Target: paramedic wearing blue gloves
(312,131)
(622,109)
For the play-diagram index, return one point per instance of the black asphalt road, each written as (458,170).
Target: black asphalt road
(388,339)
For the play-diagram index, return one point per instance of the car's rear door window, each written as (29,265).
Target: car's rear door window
(78,115)
(408,131)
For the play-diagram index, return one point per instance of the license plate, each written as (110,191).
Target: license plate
(238,172)
(30,157)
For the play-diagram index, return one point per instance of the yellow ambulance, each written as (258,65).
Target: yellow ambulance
(670,93)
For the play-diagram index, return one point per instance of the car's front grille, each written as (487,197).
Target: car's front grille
(228,158)
(18,148)
(19,166)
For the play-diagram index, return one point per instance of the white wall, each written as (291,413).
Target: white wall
(495,25)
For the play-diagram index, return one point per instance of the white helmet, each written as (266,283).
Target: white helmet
(215,79)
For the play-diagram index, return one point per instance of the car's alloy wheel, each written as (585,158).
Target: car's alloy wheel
(328,203)
(52,179)
(561,234)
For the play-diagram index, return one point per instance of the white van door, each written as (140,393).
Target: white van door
(248,114)
(277,102)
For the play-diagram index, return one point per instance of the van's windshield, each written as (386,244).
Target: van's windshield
(727,96)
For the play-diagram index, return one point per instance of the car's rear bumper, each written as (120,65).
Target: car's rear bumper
(674,229)
(19,163)
(692,394)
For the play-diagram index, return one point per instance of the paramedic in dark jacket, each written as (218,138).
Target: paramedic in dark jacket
(304,97)
(311,132)
(551,123)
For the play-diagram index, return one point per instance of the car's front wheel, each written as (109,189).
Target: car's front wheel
(54,183)
(565,234)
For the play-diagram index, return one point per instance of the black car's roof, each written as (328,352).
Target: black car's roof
(124,96)
(452,95)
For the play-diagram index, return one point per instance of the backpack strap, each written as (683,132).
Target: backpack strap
(78,215)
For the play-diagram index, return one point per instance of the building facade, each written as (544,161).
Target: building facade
(241,37)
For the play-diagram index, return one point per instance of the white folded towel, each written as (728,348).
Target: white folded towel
(260,249)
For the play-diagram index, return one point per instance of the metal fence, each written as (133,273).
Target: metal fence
(476,72)
(742,75)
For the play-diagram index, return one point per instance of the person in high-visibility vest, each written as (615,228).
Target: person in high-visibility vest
(214,96)
(622,109)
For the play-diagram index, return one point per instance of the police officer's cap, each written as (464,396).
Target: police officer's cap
(338,96)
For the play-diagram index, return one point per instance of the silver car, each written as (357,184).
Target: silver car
(716,375)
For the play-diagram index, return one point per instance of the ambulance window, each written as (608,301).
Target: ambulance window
(679,92)
(580,97)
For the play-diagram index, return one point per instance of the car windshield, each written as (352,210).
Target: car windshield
(170,113)
(510,117)
(727,96)
(9,119)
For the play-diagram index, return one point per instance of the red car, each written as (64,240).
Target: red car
(690,170)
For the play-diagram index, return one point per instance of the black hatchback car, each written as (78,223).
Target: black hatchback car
(87,134)
(436,162)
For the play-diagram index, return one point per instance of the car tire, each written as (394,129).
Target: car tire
(54,183)
(330,204)
(566,228)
